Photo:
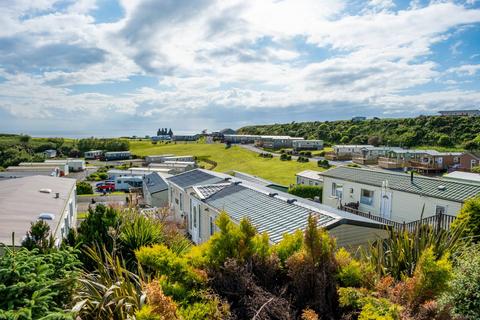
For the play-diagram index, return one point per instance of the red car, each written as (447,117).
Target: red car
(106,187)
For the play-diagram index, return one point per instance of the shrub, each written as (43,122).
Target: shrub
(308,192)
(380,309)
(39,237)
(102,175)
(430,278)
(35,285)
(110,292)
(350,270)
(468,220)
(323,163)
(84,188)
(463,297)
(290,244)
(158,305)
(312,271)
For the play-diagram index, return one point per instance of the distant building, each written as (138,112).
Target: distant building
(358,119)
(26,200)
(309,178)
(117,155)
(175,166)
(17,171)
(470,113)
(399,197)
(63,166)
(463,176)
(307,145)
(345,152)
(74,165)
(185,137)
(93,154)
(468,160)
(50,153)
(161,138)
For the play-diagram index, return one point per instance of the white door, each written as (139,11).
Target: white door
(386,204)
(195,215)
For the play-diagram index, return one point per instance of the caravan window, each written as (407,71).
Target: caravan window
(212,226)
(366,197)
(337,190)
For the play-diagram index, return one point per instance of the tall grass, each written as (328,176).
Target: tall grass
(111,292)
(399,254)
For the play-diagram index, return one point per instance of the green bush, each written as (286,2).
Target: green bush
(307,192)
(35,285)
(290,244)
(84,188)
(463,296)
(350,270)
(468,220)
(103,175)
(379,309)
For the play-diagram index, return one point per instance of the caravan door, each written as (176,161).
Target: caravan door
(386,204)
(195,221)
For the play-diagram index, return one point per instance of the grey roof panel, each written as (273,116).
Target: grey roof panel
(266,213)
(426,186)
(194,177)
(155,183)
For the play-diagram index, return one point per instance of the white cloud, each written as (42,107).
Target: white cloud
(230,54)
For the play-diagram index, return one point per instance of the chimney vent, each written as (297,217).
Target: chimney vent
(57,195)
(411,176)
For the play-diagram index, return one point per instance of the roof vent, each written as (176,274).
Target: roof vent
(227,178)
(290,201)
(237,182)
(272,194)
(441,188)
(46,216)
(45,190)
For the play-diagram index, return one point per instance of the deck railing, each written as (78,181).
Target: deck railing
(441,221)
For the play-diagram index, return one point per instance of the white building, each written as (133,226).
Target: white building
(198,196)
(307,145)
(175,167)
(26,200)
(463,176)
(64,169)
(398,197)
(74,165)
(158,158)
(345,152)
(309,178)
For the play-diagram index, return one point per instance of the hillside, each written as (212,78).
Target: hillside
(408,132)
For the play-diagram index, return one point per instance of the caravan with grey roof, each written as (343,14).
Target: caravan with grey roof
(197,197)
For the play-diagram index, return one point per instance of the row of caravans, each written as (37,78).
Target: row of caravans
(108,156)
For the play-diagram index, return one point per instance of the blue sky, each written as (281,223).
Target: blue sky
(111,68)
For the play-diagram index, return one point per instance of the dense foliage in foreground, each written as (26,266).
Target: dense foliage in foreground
(140,267)
(408,132)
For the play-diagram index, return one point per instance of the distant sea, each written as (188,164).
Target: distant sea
(87,134)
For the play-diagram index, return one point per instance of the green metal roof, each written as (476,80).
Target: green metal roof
(426,186)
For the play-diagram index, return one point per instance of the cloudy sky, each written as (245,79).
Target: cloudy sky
(111,68)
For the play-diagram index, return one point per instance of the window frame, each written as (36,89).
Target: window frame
(362,197)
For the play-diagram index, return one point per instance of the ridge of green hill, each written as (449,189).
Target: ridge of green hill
(437,131)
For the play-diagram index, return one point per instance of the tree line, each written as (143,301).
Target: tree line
(406,132)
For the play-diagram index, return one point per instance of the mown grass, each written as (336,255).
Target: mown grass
(234,158)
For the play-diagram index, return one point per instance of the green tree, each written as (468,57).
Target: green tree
(468,220)
(84,187)
(39,237)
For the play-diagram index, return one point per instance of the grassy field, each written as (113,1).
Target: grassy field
(234,158)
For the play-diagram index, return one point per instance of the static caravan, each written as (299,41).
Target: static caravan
(63,166)
(157,158)
(51,153)
(93,154)
(124,183)
(299,145)
(74,165)
(117,155)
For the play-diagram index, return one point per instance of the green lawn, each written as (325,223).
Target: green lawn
(234,158)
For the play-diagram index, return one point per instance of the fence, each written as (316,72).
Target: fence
(441,221)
